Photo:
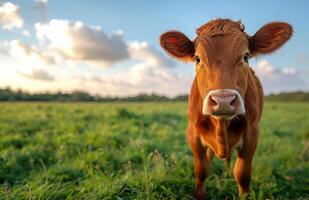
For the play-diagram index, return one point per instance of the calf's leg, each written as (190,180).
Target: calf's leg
(202,160)
(242,174)
(243,164)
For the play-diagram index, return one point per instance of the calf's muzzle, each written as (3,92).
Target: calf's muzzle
(223,104)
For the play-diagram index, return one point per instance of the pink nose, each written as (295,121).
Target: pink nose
(223,103)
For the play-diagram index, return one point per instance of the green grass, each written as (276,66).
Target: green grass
(138,151)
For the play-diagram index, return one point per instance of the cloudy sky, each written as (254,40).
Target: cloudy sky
(111,47)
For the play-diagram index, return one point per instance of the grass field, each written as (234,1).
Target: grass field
(138,151)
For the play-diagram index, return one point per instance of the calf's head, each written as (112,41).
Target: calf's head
(221,52)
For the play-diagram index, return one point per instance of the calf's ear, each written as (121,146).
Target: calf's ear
(270,37)
(177,45)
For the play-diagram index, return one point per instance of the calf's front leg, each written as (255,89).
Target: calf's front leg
(202,160)
(243,164)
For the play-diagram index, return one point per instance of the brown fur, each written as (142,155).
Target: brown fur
(221,44)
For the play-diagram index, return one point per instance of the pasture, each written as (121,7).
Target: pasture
(138,151)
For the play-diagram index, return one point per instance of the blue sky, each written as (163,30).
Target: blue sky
(142,22)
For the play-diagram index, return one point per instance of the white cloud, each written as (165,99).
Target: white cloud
(31,61)
(141,78)
(143,51)
(62,42)
(79,42)
(152,74)
(28,55)
(38,74)
(142,75)
(41,1)
(277,80)
(116,32)
(289,71)
(25,33)
(9,16)
(4,46)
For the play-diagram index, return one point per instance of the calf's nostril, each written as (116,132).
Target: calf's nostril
(212,101)
(233,102)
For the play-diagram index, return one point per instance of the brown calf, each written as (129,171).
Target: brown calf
(226,99)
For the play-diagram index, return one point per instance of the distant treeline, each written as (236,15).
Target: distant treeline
(8,94)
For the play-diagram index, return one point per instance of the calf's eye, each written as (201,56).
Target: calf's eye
(197,59)
(246,57)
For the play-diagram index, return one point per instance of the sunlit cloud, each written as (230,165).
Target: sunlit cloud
(145,52)
(79,42)
(38,74)
(152,74)
(276,80)
(29,55)
(76,42)
(9,16)
(141,78)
